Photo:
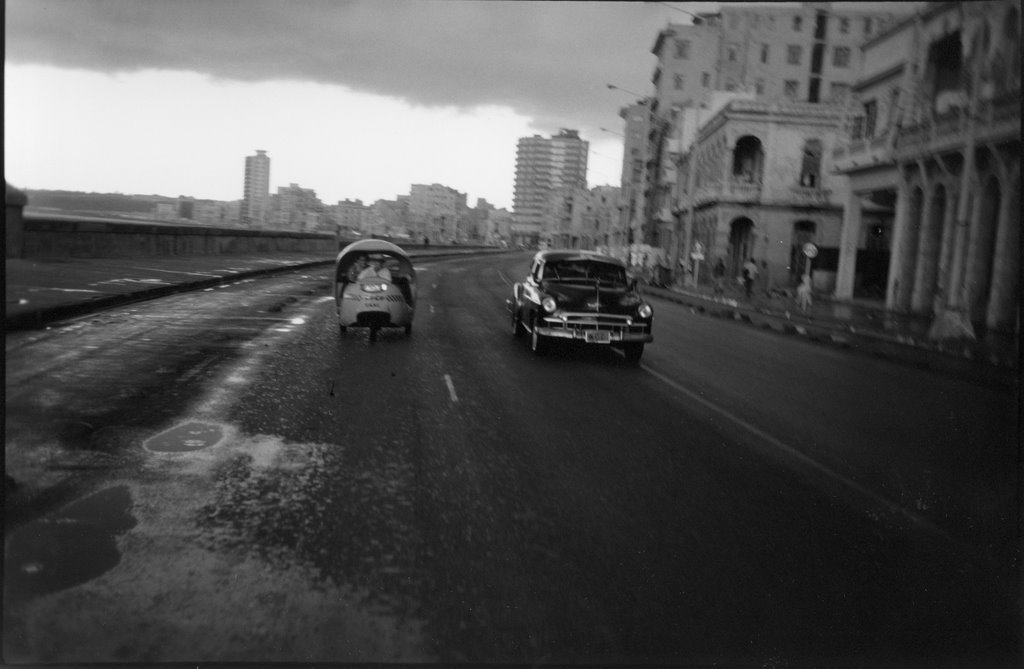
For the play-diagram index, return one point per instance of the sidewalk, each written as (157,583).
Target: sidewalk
(42,291)
(859,324)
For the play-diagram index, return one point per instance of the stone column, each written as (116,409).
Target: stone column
(926,261)
(849,240)
(941,298)
(898,256)
(957,297)
(1005,293)
(981,251)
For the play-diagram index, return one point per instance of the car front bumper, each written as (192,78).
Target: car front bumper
(592,330)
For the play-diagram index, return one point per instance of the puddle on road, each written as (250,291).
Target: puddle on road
(190,436)
(74,546)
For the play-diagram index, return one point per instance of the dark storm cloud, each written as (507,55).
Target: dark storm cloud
(550,60)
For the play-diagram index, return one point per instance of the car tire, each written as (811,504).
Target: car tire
(538,343)
(633,352)
(517,325)
(408,329)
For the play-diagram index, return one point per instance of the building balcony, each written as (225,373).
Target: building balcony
(803,196)
(734,190)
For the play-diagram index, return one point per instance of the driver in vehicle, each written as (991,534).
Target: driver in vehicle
(375,269)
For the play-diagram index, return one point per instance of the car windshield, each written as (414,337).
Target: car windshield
(584,270)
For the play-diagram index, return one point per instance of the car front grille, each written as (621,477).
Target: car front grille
(596,322)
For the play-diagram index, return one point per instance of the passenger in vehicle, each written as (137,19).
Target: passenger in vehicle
(375,269)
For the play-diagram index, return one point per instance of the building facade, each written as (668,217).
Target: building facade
(757,184)
(548,171)
(935,138)
(256,192)
(435,212)
(806,54)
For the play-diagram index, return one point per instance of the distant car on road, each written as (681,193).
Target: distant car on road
(581,296)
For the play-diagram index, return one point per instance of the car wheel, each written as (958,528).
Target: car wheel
(517,327)
(538,342)
(408,329)
(633,352)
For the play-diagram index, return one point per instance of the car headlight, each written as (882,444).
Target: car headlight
(375,287)
(645,311)
(549,304)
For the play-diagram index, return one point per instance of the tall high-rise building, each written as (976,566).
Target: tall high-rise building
(548,172)
(256,196)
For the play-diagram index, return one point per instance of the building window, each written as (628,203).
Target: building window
(705,79)
(759,86)
(730,86)
(682,49)
(793,53)
(810,170)
(844,26)
(731,52)
(678,81)
(792,88)
(764,53)
(867,27)
(841,56)
(870,118)
(798,23)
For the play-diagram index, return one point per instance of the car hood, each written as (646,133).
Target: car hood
(589,298)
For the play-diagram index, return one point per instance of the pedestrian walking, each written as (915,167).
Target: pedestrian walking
(749,274)
(719,273)
(803,294)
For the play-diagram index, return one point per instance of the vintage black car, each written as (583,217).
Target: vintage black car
(581,296)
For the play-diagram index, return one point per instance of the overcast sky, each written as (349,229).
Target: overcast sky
(354,99)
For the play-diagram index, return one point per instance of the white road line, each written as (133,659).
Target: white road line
(451,388)
(814,464)
(504,278)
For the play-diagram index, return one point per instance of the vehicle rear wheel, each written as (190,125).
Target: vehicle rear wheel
(408,329)
(538,342)
(633,352)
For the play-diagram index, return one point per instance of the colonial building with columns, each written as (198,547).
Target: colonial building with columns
(932,155)
(757,183)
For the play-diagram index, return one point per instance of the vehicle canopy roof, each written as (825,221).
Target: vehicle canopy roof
(397,260)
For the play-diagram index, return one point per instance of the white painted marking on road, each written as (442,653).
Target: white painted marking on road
(451,388)
(504,278)
(814,464)
(431,308)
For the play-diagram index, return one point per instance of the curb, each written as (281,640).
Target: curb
(899,348)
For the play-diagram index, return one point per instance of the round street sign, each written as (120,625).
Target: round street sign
(810,250)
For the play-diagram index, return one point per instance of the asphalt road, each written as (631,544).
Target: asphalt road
(222,476)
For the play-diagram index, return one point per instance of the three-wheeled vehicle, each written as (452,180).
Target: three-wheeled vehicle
(374,287)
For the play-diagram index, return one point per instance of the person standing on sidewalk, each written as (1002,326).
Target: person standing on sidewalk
(719,273)
(749,274)
(803,294)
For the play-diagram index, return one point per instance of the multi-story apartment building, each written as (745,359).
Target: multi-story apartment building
(637,121)
(548,171)
(296,208)
(351,216)
(932,155)
(805,54)
(256,194)
(593,219)
(435,211)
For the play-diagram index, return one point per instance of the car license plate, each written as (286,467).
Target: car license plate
(598,337)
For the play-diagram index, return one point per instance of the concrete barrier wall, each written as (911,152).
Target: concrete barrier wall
(55,238)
